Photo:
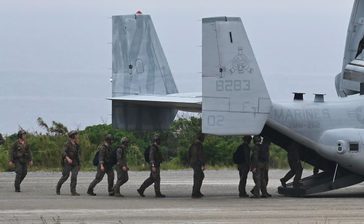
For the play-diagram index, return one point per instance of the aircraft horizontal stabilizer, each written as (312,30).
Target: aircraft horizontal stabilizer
(235,100)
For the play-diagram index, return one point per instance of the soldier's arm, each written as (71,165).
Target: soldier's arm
(101,155)
(123,158)
(152,155)
(201,155)
(119,154)
(12,154)
(246,152)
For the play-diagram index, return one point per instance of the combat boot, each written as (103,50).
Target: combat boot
(141,192)
(117,194)
(75,194)
(159,195)
(91,192)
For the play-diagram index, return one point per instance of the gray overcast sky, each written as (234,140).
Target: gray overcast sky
(57,54)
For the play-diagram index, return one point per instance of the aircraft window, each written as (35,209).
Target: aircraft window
(231,37)
(354,147)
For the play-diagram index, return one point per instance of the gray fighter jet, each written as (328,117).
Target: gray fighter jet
(235,100)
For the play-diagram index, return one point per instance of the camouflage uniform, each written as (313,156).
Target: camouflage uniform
(122,175)
(20,156)
(256,170)
(244,167)
(105,152)
(263,165)
(197,161)
(72,151)
(155,159)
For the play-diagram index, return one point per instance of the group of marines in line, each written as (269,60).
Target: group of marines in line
(247,158)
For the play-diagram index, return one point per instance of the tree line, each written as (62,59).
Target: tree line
(47,147)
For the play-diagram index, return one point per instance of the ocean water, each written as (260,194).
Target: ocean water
(78,99)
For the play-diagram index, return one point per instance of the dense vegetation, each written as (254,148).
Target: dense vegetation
(47,147)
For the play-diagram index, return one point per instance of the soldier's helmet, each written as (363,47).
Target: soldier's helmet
(257,139)
(72,134)
(21,133)
(109,137)
(124,140)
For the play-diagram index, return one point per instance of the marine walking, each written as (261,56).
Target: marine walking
(155,160)
(21,157)
(104,166)
(70,162)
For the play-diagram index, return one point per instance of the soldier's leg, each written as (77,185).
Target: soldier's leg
(119,180)
(243,173)
(201,177)
(74,174)
(256,178)
(124,177)
(149,181)
(18,175)
(196,177)
(298,172)
(24,172)
(263,184)
(110,181)
(291,172)
(65,174)
(157,181)
(99,176)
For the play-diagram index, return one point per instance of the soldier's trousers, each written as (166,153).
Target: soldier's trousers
(100,175)
(243,174)
(67,169)
(21,170)
(296,171)
(264,168)
(153,178)
(198,177)
(257,180)
(123,177)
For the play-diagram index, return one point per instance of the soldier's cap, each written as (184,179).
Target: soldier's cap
(124,139)
(109,137)
(21,133)
(72,133)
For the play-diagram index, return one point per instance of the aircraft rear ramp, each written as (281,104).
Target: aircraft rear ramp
(321,182)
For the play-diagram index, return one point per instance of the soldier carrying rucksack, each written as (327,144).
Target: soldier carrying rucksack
(241,157)
(155,159)
(105,166)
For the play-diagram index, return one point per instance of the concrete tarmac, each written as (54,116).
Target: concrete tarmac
(38,203)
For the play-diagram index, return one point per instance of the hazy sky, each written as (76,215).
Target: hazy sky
(55,56)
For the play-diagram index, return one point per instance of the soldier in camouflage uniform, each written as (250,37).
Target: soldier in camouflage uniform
(263,164)
(21,156)
(155,159)
(105,153)
(197,162)
(121,166)
(244,164)
(70,163)
(255,167)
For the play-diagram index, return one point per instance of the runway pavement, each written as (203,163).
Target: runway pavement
(38,203)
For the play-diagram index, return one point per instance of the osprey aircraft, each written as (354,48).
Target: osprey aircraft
(235,100)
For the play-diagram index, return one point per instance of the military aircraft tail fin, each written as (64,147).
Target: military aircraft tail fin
(235,100)
(139,67)
(348,82)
